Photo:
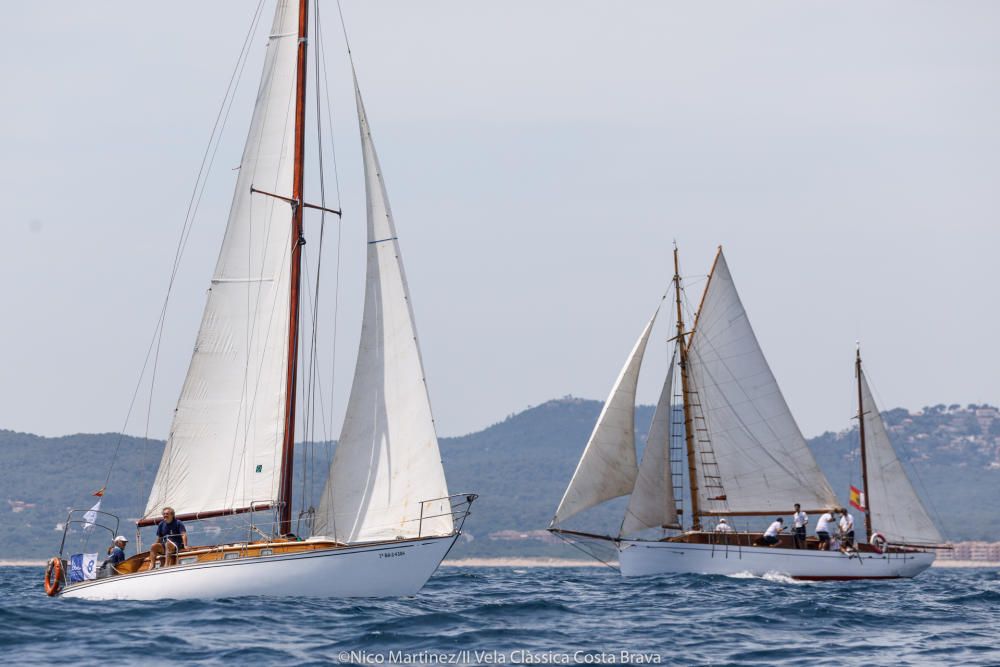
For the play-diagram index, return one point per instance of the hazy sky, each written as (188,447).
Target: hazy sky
(540,159)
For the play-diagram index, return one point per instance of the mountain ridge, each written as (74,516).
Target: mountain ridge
(519,466)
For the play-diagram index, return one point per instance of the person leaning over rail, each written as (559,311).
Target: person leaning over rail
(171,537)
(770,537)
(823,529)
(116,555)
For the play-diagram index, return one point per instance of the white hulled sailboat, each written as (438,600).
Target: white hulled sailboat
(742,455)
(386,519)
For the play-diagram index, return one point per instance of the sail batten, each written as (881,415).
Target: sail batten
(753,443)
(608,466)
(223,450)
(387,464)
(896,509)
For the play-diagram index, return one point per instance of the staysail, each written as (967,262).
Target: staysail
(764,462)
(896,510)
(223,450)
(608,468)
(651,504)
(387,460)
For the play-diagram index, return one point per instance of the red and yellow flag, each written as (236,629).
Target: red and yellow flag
(857,499)
(100,492)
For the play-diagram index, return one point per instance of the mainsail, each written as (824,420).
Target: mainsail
(764,462)
(387,461)
(651,504)
(224,447)
(896,510)
(608,468)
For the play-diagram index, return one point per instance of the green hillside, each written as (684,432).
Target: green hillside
(519,467)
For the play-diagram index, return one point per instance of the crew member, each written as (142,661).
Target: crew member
(771,534)
(823,529)
(171,537)
(799,522)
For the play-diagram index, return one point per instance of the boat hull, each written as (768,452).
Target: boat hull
(389,569)
(641,558)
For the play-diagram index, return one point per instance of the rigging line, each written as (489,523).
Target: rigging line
(189,216)
(321,61)
(579,548)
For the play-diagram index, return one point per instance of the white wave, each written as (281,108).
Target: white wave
(775,577)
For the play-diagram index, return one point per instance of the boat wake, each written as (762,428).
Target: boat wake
(775,577)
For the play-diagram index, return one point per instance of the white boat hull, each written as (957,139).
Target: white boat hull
(376,570)
(641,558)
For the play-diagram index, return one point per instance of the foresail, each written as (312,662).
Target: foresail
(896,510)
(651,504)
(223,450)
(762,459)
(387,461)
(607,468)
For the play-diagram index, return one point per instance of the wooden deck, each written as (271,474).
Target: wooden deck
(202,554)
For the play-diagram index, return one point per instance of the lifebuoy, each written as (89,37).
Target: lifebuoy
(53,576)
(878,542)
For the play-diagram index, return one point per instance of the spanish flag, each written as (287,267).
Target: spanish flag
(100,492)
(857,499)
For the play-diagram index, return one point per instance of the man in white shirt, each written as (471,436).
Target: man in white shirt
(723,526)
(799,522)
(823,529)
(771,534)
(846,529)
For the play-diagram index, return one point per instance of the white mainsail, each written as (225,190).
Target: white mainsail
(651,504)
(608,468)
(763,460)
(223,451)
(896,510)
(387,460)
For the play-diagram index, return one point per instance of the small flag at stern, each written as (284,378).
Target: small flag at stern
(857,499)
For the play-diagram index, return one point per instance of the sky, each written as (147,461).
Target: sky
(541,159)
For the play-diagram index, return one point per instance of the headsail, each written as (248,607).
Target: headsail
(608,468)
(223,451)
(763,460)
(387,459)
(896,510)
(652,502)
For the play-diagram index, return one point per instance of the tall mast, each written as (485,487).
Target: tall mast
(298,240)
(688,421)
(864,458)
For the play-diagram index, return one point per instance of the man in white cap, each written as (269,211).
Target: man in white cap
(723,526)
(116,555)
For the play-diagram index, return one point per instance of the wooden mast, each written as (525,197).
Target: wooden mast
(688,420)
(298,240)
(864,457)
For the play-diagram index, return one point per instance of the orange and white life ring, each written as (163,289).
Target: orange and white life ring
(878,542)
(53,577)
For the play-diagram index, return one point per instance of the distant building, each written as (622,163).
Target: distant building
(982,551)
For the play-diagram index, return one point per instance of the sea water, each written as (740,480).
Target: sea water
(528,616)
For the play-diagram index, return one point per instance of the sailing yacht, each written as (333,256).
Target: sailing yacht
(734,450)
(386,519)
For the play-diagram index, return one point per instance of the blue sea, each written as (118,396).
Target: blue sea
(528,616)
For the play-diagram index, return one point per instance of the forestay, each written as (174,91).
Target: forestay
(223,450)
(607,468)
(896,510)
(763,460)
(651,504)
(387,459)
